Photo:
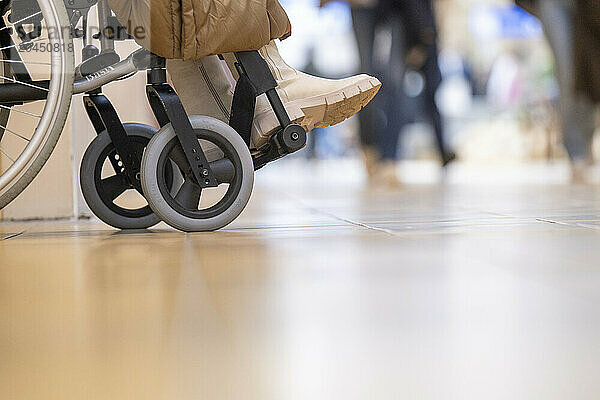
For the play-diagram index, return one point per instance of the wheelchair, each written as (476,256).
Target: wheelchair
(195,173)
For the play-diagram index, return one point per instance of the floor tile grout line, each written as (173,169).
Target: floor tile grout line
(442,221)
(14,235)
(366,226)
(383,230)
(577,225)
(275,227)
(347,221)
(549,221)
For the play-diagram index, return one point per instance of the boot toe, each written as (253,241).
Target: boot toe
(321,105)
(348,101)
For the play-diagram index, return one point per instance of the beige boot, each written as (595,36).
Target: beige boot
(203,86)
(311,101)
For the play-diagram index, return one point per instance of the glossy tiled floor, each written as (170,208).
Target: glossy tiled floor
(322,290)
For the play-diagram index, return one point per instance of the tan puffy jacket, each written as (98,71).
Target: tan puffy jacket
(192,29)
(355,3)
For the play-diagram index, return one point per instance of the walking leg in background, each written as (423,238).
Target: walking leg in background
(433,78)
(576,111)
(422,55)
(364,22)
(396,108)
(379,122)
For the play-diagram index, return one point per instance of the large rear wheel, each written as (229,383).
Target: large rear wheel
(36,52)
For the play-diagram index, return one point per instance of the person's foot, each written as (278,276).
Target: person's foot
(310,101)
(579,171)
(385,175)
(371,159)
(449,158)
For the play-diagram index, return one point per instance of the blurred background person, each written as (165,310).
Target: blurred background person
(421,31)
(413,46)
(577,112)
(587,49)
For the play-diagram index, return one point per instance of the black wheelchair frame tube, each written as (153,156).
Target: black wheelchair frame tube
(104,117)
(167,108)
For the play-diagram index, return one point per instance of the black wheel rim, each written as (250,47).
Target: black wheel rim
(109,189)
(173,154)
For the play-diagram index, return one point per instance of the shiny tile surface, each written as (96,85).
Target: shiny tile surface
(323,289)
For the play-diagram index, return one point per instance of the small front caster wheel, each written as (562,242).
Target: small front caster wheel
(186,206)
(108,191)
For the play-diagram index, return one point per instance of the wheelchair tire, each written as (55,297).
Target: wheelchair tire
(100,193)
(27,161)
(182,207)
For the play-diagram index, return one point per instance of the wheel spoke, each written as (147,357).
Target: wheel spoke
(14,133)
(114,186)
(18,44)
(6,154)
(189,195)
(20,111)
(223,169)
(28,62)
(23,83)
(179,158)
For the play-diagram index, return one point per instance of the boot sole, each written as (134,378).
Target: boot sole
(320,111)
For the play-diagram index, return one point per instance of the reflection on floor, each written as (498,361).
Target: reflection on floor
(321,290)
